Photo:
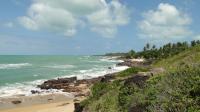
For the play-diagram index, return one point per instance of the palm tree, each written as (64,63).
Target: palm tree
(148,46)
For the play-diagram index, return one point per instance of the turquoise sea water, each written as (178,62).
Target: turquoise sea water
(20,74)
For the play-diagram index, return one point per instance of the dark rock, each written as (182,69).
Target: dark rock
(16,102)
(109,67)
(139,80)
(130,63)
(35,92)
(78,107)
(67,80)
(57,84)
(50,99)
(107,78)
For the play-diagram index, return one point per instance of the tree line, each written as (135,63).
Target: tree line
(170,49)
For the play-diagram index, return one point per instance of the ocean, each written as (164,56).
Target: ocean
(21,74)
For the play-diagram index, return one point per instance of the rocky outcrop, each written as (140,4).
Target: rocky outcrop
(127,63)
(79,87)
(57,83)
(137,79)
(130,63)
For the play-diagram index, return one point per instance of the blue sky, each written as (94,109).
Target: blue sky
(83,27)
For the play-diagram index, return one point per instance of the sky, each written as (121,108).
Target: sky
(86,27)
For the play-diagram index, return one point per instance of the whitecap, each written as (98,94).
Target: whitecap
(60,66)
(36,75)
(14,66)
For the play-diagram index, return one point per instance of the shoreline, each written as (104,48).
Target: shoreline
(25,87)
(42,102)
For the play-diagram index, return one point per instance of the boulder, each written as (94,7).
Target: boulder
(35,91)
(16,102)
(67,80)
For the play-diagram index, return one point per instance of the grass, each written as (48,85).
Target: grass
(188,57)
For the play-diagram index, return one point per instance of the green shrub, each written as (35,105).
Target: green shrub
(174,92)
(99,89)
(125,96)
(131,71)
(106,103)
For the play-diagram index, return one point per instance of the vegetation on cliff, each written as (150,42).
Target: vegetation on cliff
(191,56)
(175,90)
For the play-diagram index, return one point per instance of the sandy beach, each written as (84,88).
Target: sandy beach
(67,106)
(38,103)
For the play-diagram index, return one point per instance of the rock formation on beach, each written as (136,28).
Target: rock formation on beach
(72,85)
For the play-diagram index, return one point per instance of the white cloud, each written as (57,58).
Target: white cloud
(166,22)
(106,20)
(43,16)
(66,16)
